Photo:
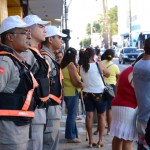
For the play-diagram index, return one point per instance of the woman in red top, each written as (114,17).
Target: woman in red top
(124,111)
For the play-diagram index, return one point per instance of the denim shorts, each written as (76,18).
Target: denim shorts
(94,101)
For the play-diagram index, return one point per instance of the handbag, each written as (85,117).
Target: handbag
(108,90)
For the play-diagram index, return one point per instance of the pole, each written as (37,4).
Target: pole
(105,34)
(130,22)
(66,20)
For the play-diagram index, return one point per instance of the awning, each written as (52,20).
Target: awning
(51,10)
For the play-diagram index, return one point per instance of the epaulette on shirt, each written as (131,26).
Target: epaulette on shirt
(5,58)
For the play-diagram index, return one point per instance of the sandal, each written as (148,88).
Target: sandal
(95,132)
(92,144)
(100,144)
(108,132)
(75,140)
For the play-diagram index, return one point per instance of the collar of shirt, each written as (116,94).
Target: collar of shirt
(46,49)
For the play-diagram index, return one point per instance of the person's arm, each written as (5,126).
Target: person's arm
(117,72)
(5,73)
(104,70)
(117,76)
(74,76)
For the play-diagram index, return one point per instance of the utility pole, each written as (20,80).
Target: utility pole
(66,13)
(66,20)
(105,34)
(130,24)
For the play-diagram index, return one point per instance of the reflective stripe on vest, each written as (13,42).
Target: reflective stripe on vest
(16,113)
(23,111)
(55,98)
(37,51)
(44,99)
(28,100)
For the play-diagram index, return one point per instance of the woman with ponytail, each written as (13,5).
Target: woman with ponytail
(92,93)
(112,79)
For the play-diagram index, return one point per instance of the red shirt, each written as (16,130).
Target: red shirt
(125,95)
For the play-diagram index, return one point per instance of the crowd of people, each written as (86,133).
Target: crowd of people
(36,76)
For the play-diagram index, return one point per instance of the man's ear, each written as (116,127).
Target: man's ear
(50,39)
(10,37)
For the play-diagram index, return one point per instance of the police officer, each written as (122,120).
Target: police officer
(17,85)
(50,46)
(40,70)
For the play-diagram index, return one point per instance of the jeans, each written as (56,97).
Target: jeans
(72,108)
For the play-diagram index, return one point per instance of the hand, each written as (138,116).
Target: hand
(83,85)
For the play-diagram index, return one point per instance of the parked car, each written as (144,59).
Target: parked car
(128,54)
(140,51)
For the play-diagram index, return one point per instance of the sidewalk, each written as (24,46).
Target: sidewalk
(84,145)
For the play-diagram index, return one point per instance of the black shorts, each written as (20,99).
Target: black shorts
(94,101)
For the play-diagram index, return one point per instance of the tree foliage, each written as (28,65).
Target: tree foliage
(112,19)
(107,23)
(88,29)
(85,43)
(96,27)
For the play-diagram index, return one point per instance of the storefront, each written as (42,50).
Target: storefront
(50,10)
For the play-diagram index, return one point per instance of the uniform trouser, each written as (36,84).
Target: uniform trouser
(54,144)
(13,147)
(36,141)
(37,128)
(13,137)
(51,132)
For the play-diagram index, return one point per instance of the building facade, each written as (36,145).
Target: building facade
(133,22)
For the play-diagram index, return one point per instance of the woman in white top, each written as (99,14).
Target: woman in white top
(92,93)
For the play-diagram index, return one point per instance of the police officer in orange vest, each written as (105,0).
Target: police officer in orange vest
(50,46)
(40,69)
(17,85)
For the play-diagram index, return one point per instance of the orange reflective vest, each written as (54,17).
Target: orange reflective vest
(56,88)
(42,76)
(15,104)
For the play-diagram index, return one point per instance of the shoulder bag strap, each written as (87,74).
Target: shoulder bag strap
(109,65)
(100,73)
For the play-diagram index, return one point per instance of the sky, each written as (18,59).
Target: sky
(80,13)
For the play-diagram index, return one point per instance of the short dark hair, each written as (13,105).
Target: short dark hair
(147,46)
(97,51)
(59,52)
(3,35)
(138,58)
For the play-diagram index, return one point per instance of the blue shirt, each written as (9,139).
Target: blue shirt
(141,80)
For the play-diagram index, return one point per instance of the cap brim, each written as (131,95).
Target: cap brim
(43,23)
(62,35)
(18,26)
(24,26)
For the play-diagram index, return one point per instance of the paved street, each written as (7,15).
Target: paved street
(84,145)
(82,133)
